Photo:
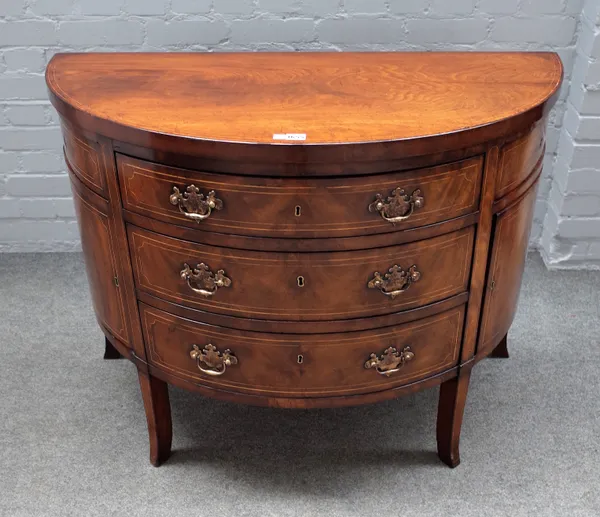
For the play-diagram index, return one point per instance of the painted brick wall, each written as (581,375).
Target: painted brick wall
(571,235)
(36,212)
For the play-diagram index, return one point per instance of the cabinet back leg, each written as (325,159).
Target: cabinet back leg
(110,352)
(501,349)
(453,396)
(155,394)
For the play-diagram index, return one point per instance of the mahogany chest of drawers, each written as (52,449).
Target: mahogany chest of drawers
(304,230)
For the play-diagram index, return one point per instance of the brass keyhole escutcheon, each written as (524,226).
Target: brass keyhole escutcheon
(300,359)
(298,211)
(300,281)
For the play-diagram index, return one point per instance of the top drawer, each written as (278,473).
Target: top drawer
(298,207)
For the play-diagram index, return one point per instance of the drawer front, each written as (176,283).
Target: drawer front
(302,365)
(301,286)
(301,207)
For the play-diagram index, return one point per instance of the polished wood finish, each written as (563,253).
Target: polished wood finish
(519,158)
(332,286)
(511,238)
(125,274)
(306,208)
(98,243)
(297,365)
(298,317)
(451,408)
(83,158)
(243,242)
(300,327)
(480,255)
(389,103)
(155,394)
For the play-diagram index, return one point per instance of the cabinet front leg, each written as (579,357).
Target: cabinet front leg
(155,394)
(453,396)
(110,352)
(501,350)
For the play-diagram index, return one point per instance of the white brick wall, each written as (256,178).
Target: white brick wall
(571,233)
(35,208)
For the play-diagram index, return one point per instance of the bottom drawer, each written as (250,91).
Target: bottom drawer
(296,365)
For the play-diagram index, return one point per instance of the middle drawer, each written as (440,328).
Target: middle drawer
(301,286)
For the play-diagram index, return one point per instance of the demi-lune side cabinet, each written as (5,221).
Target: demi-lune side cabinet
(303,230)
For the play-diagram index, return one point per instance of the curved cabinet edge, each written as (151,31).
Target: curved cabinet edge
(242,242)
(232,147)
(295,327)
(307,402)
(314,160)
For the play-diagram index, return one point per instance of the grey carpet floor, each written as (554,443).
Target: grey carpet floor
(73,433)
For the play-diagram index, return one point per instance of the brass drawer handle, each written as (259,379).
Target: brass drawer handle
(395,281)
(202,276)
(216,361)
(194,205)
(397,207)
(391,361)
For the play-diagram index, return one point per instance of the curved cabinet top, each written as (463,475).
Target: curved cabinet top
(387,104)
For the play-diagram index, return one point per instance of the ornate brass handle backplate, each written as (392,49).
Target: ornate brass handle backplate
(208,283)
(395,281)
(390,361)
(216,361)
(397,207)
(194,205)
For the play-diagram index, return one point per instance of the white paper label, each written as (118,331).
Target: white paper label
(289,136)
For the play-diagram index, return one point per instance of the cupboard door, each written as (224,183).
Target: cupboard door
(511,240)
(101,262)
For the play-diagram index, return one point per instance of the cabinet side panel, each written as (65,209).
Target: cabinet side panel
(83,157)
(519,158)
(101,261)
(511,239)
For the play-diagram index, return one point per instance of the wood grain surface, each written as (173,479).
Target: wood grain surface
(83,158)
(300,365)
(295,235)
(519,158)
(101,256)
(503,285)
(264,285)
(330,97)
(303,207)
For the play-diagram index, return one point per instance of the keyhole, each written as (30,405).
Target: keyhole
(298,211)
(300,359)
(300,281)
